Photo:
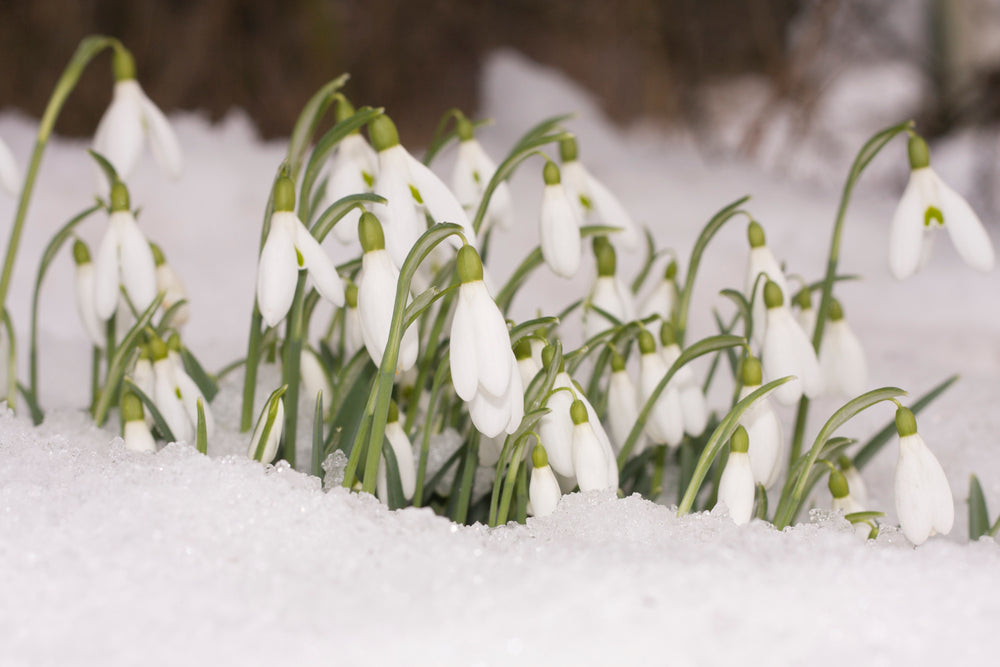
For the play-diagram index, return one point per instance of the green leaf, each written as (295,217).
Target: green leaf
(442,137)
(863,517)
(743,308)
(979,520)
(206,383)
(760,503)
(530,327)
(338,209)
(305,126)
(394,484)
(317,437)
(269,417)
(106,167)
(154,412)
(647,265)
(352,402)
(201,439)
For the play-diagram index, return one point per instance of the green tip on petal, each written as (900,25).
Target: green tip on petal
(920,155)
(370,233)
(667,336)
(157,348)
(344,108)
(647,344)
(81,254)
(755,234)
(131,408)
(906,423)
(605,254)
(351,295)
(751,372)
(568,150)
(283,195)
(838,484)
(617,362)
(671,271)
(548,354)
(119,197)
(123,64)
(382,132)
(551,173)
(144,352)
(844,462)
(836,311)
(522,349)
(174,342)
(773,298)
(803,299)
(158,257)
(464,129)
(739,443)
(578,412)
(393,415)
(470,267)
(932,214)
(539,458)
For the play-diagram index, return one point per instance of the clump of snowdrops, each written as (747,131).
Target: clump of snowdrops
(425,392)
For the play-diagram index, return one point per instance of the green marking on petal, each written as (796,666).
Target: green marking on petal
(416,195)
(299,258)
(933,213)
(587,204)
(369,179)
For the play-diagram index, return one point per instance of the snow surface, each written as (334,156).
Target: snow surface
(112,557)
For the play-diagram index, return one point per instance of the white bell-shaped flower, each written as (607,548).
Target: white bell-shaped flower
(188,388)
(314,376)
(526,364)
(143,377)
(929,203)
(170,284)
(761,261)
(483,369)
(608,293)
(85,294)
(767,449)
(663,298)
(610,460)
(10,174)
(844,502)
(134,429)
(472,173)
(377,284)
(593,199)
(129,119)
(166,394)
(352,171)
(841,357)
(405,463)
(267,433)
(543,487)
(736,487)
(407,184)
(786,350)
(805,314)
(854,479)
(590,461)
(555,428)
(665,423)
(623,405)
(354,338)
(924,502)
(123,259)
(289,248)
(559,226)
(693,405)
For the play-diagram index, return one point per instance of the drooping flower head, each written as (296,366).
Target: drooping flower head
(402,449)
(134,430)
(472,173)
(928,203)
(623,404)
(559,226)
(352,171)
(763,428)
(609,293)
(593,200)
(736,486)
(786,350)
(124,259)
(85,294)
(289,248)
(590,459)
(168,282)
(693,405)
(761,261)
(665,424)
(130,118)
(841,357)
(924,502)
(543,487)
(846,503)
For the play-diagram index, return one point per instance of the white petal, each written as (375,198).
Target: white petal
(589,461)
(189,397)
(556,428)
(907,230)
(346,180)
(623,409)
(10,175)
(842,359)
(314,377)
(610,461)
(490,414)
(560,232)
(273,438)
(462,351)
(914,491)
(694,409)
(377,285)
(543,491)
(319,265)
(119,134)
(605,296)
(762,261)
(491,340)
(938,491)
(666,422)
(609,211)
(136,257)
(162,140)
(463,176)
(169,403)
(736,488)
(764,433)
(403,450)
(168,282)
(277,273)
(966,231)
(106,275)
(85,304)
(438,199)
(660,301)
(787,351)
(138,438)
(515,397)
(353,336)
(399,217)
(528,369)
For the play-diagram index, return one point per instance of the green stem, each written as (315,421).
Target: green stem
(294,327)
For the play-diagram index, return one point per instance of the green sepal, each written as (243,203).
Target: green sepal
(739,441)
(122,64)
(917,151)
(370,233)
(383,133)
(81,254)
(283,194)
(539,458)
(773,298)
(468,265)
(578,412)
(568,149)
(906,423)
(551,173)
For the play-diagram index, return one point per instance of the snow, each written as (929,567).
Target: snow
(113,557)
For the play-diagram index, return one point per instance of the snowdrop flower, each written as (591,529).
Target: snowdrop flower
(693,406)
(844,502)
(608,293)
(663,298)
(555,428)
(923,497)
(841,357)
(472,173)
(353,335)
(134,429)
(590,463)
(527,366)
(170,284)
(267,433)
(761,261)
(187,388)
(787,351)
(85,294)
(10,175)
(928,203)
(591,197)
(129,119)
(736,487)
(123,258)
(483,369)
(167,395)
(406,183)
(352,172)
(666,420)
(854,479)
(623,405)
(559,226)
(289,248)
(377,284)
(763,428)
(314,376)
(805,314)
(543,488)
(143,377)
(403,450)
